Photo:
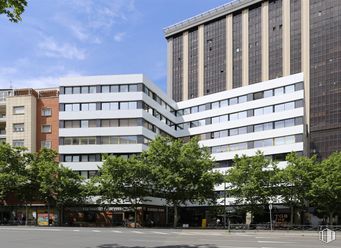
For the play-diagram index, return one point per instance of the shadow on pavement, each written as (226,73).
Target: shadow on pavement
(166,246)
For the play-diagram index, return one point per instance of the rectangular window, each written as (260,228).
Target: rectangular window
(46,144)
(75,107)
(224,103)
(133,88)
(267,93)
(68,90)
(84,89)
(289,89)
(132,105)
(18,127)
(233,101)
(105,106)
(68,107)
(105,89)
(92,106)
(279,91)
(84,123)
(76,90)
(18,143)
(68,158)
(123,88)
(18,110)
(124,105)
(215,105)
(92,89)
(114,88)
(46,128)
(46,112)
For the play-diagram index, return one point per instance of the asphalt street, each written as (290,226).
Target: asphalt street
(35,237)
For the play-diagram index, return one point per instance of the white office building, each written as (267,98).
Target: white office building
(120,114)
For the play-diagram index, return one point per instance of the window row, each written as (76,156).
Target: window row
(100,123)
(285,140)
(115,89)
(241,99)
(104,140)
(20,127)
(90,157)
(243,114)
(75,107)
(248,129)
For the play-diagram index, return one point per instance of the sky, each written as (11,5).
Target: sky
(60,38)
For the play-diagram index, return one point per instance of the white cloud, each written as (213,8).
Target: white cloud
(51,48)
(119,36)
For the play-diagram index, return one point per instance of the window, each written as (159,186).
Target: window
(123,88)
(215,105)
(84,89)
(92,106)
(279,91)
(75,107)
(68,158)
(133,88)
(84,123)
(233,101)
(46,112)
(18,127)
(105,89)
(267,93)
(242,99)
(76,90)
(114,88)
(68,90)
(132,105)
(18,110)
(105,106)
(258,95)
(92,89)
(68,107)
(289,89)
(224,103)
(124,105)
(46,144)
(46,128)
(18,143)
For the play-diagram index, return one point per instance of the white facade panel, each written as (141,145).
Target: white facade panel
(89,149)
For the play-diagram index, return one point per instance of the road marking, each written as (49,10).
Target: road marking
(31,229)
(163,233)
(137,232)
(97,231)
(115,231)
(75,230)
(274,242)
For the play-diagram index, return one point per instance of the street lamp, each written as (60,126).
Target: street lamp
(270,208)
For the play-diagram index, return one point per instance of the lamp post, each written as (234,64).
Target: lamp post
(270,208)
(224,205)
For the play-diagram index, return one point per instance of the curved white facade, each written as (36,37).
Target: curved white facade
(120,114)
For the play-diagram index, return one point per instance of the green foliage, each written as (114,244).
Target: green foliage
(296,180)
(55,182)
(252,180)
(325,190)
(182,172)
(13,174)
(13,9)
(122,180)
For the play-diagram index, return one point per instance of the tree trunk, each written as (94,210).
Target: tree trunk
(135,213)
(26,217)
(331,214)
(61,215)
(175,216)
(48,213)
(291,215)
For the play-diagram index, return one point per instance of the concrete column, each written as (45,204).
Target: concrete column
(185,66)
(169,67)
(201,60)
(305,41)
(265,41)
(286,37)
(229,52)
(245,47)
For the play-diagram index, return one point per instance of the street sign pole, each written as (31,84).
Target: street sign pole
(270,208)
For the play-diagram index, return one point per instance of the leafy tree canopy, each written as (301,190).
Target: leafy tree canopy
(13,9)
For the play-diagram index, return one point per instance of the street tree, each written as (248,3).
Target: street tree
(57,184)
(123,180)
(326,186)
(13,9)
(252,181)
(13,174)
(182,172)
(295,181)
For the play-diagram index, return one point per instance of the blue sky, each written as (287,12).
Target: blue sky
(59,38)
